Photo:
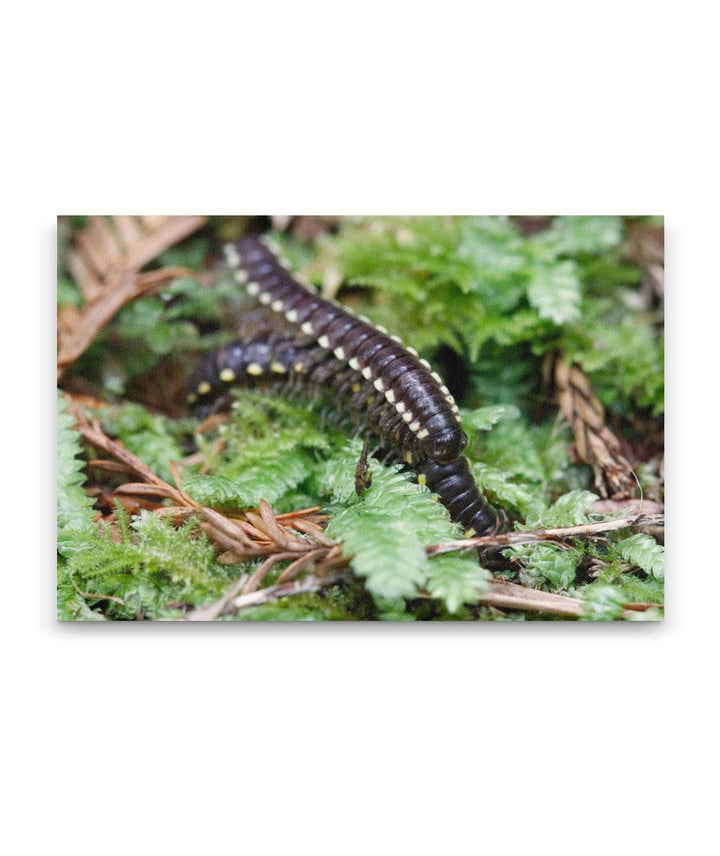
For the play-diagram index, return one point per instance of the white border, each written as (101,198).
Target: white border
(355,739)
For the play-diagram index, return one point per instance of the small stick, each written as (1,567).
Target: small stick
(109,466)
(307,585)
(215,610)
(536,535)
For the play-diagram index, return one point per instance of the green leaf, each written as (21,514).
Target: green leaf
(388,554)
(74,506)
(387,530)
(484,418)
(555,291)
(392,609)
(624,357)
(456,580)
(602,602)
(555,564)
(645,553)
(501,375)
(512,447)
(190,254)
(573,236)
(213,491)
(569,510)
(499,486)
(267,481)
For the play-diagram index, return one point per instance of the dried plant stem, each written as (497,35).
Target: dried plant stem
(535,535)
(507,595)
(215,610)
(307,585)
(595,443)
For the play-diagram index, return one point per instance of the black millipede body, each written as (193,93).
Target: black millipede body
(455,486)
(418,395)
(302,342)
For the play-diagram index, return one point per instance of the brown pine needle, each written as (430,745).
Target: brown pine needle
(259,574)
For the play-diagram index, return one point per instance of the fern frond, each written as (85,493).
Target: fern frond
(387,531)
(645,553)
(74,506)
(457,580)
(571,509)
(386,553)
(484,418)
(269,481)
(573,236)
(556,292)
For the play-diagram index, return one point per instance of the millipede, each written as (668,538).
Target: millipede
(303,342)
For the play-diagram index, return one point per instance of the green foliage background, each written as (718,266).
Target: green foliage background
(485,303)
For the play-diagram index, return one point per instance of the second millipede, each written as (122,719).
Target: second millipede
(303,341)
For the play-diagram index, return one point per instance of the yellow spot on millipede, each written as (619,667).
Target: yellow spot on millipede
(408,460)
(278,368)
(227,375)
(422,480)
(254,369)
(204,388)
(470,532)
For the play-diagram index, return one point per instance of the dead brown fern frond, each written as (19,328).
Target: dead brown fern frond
(105,261)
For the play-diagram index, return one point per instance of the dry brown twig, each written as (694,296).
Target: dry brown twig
(105,263)
(533,536)
(506,595)
(307,585)
(595,443)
